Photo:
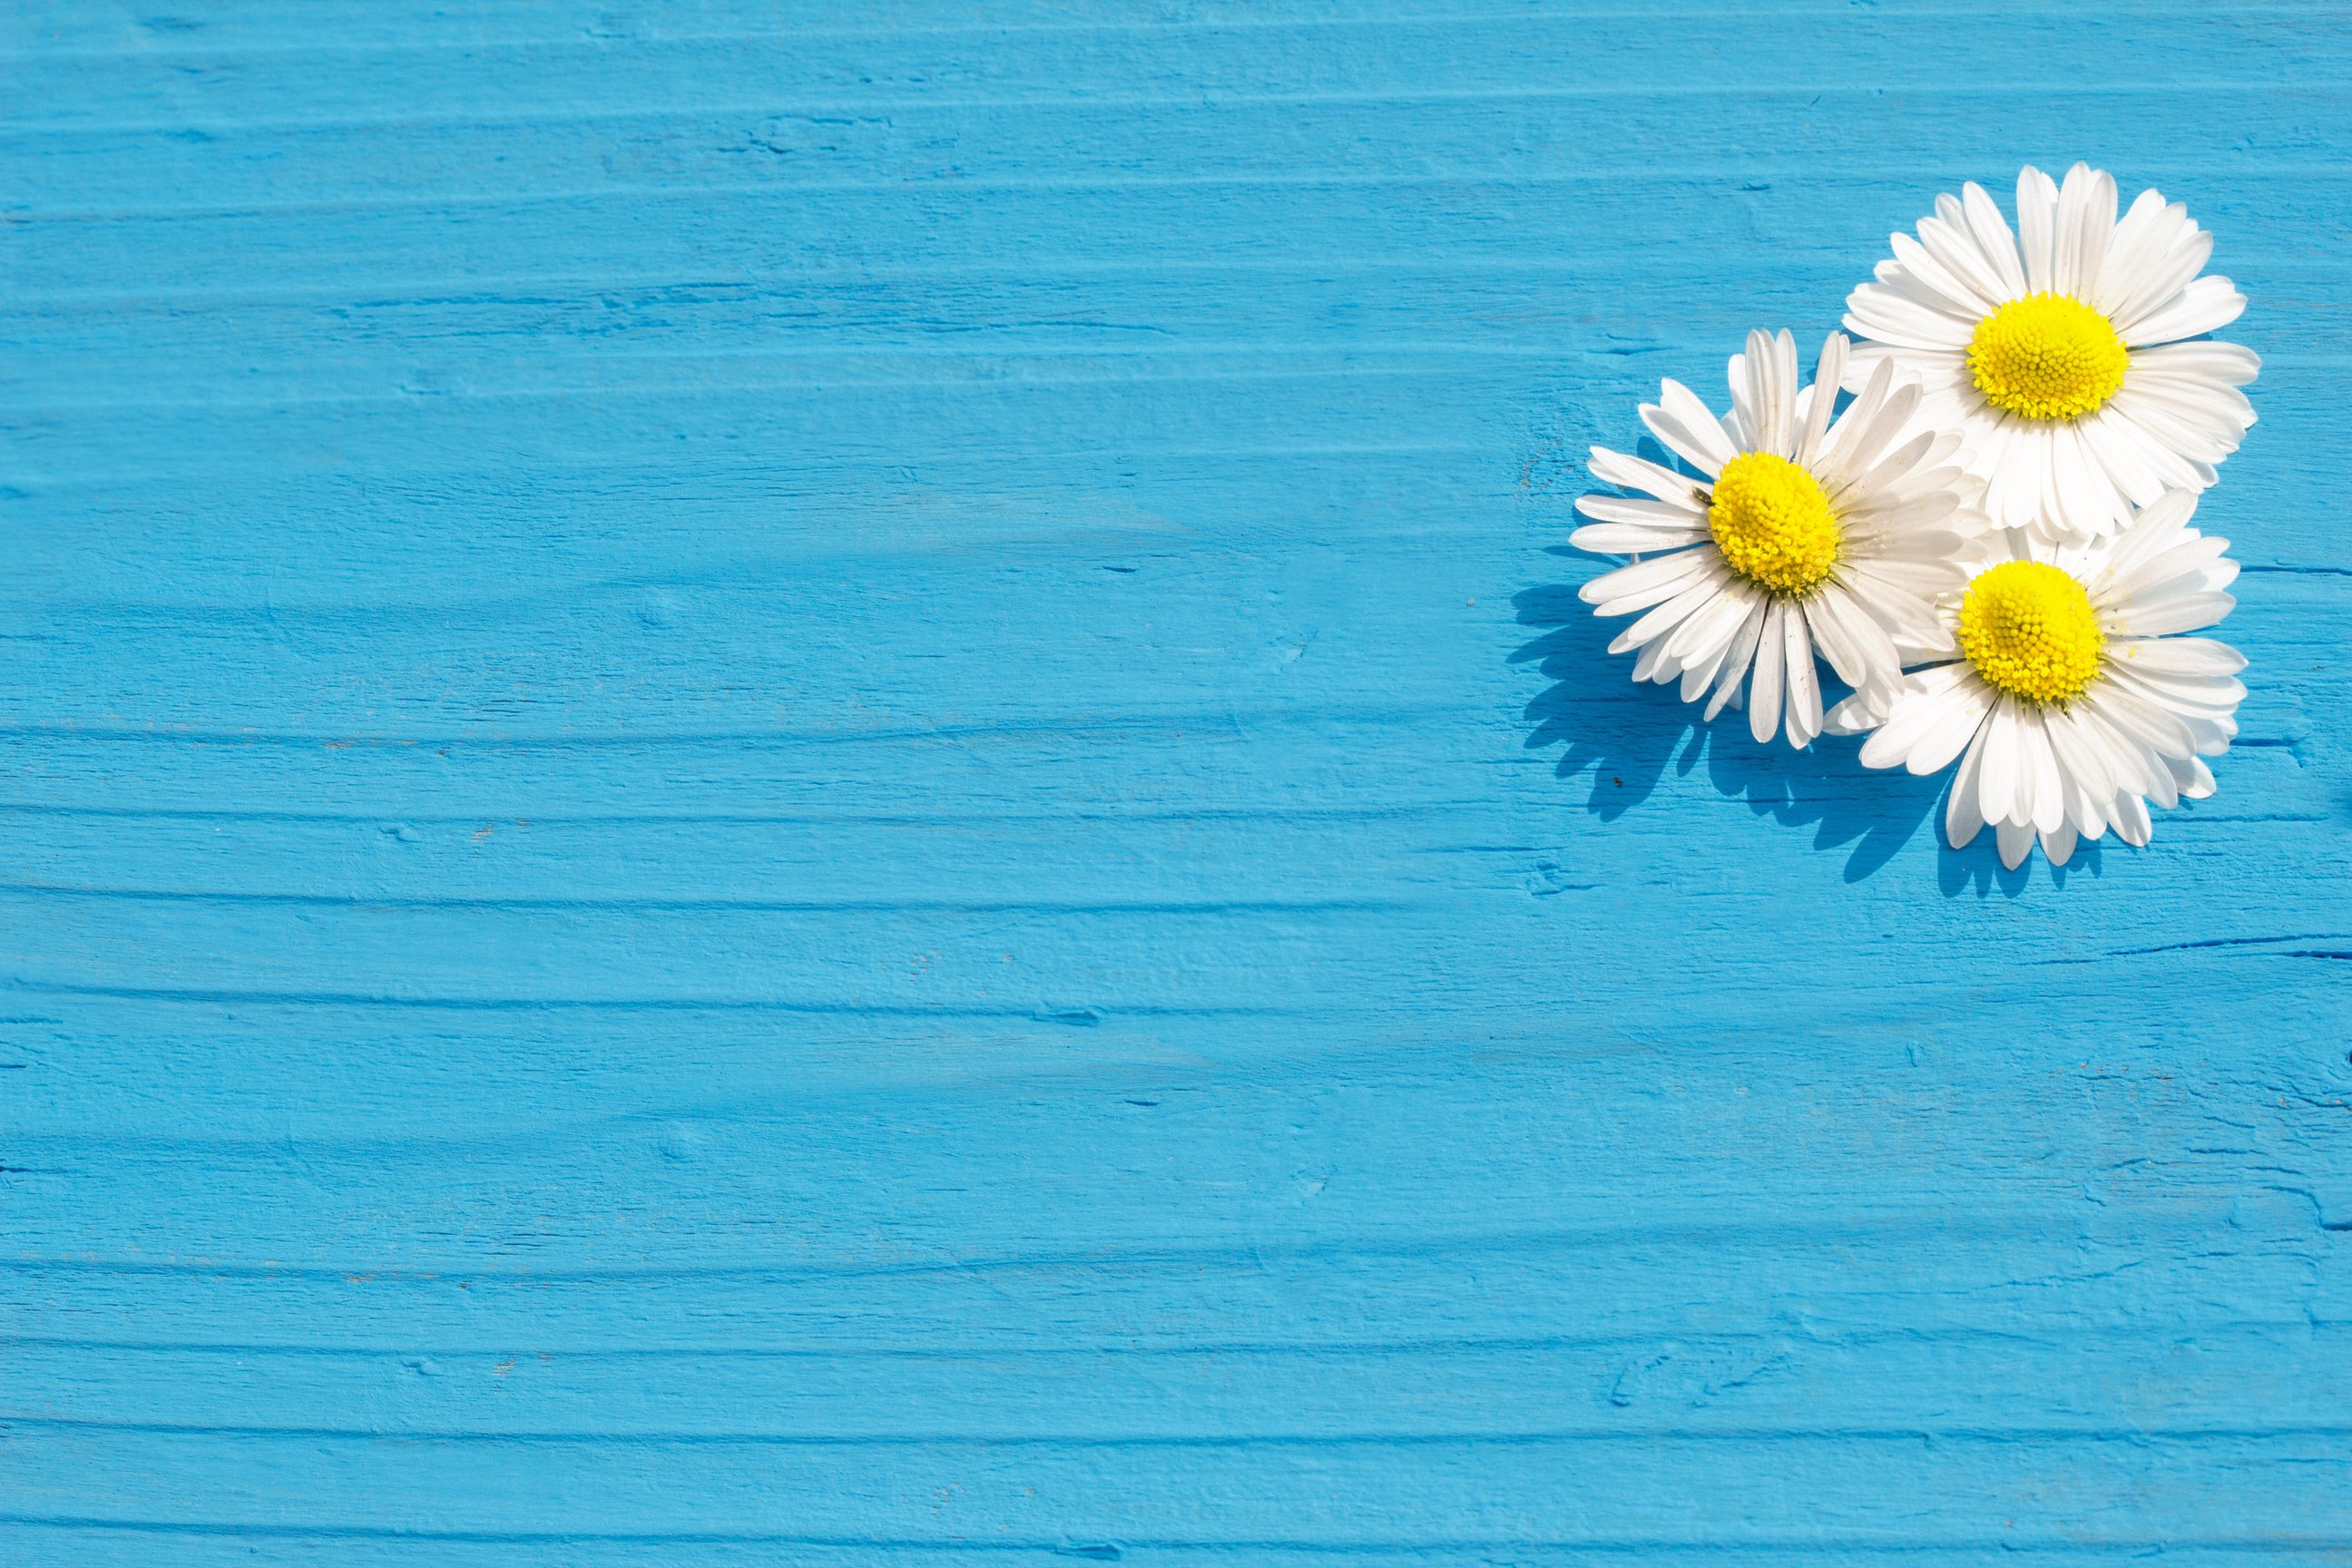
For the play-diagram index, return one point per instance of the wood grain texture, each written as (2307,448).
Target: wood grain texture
(818,784)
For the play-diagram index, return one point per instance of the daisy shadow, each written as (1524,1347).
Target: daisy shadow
(1615,730)
(1877,811)
(1822,787)
(1977,871)
(1624,737)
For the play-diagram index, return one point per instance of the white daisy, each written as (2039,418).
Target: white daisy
(2072,704)
(2066,367)
(1804,535)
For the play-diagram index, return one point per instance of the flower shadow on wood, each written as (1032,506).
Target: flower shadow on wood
(1626,736)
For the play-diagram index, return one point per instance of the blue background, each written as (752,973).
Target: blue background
(818,785)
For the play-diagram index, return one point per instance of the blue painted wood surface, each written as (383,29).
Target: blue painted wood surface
(817,786)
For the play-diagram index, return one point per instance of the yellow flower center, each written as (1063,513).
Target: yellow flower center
(1772,523)
(2047,356)
(2029,631)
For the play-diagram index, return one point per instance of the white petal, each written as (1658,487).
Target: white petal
(1828,373)
(1671,614)
(2018,460)
(2186,564)
(2189,395)
(1742,652)
(1738,424)
(2136,252)
(1624,539)
(1701,639)
(1682,422)
(1871,658)
(2207,305)
(1918,277)
(2150,616)
(1771,387)
(1644,583)
(1764,686)
(1829,635)
(1867,430)
(2175,253)
(1801,687)
(2203,428)
(2085,814)
(1874,311)
(1889,477)
(1860,712)
(2086,501)
(2190,697)
(2128,761)
(2224,364)
(1632,473)
(1938,565)
(1943,290)
(2157,528)
(2133,464)
(2086,219)
(2156,249)
(1938,713)
(2138,721)
(1956,724)
(2002,770)
(1652,665)
(1994,238)
(1938,498)
(2046,785)
(2105,497)
(2182,655)
(1642,510)
(2037,217)
(1962,818)
(1960,270)
(2081,760)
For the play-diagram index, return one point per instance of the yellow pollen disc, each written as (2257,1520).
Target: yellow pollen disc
(1772,523)
(2047,356)
(2029,631)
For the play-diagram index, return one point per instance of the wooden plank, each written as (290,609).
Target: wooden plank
(821,786)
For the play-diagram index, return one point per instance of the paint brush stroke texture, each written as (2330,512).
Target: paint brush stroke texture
(818,785)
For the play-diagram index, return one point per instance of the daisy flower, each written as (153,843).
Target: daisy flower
(2072,704)
(2059,351)
(1803,534)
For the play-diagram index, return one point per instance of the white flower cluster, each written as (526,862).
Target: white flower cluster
(1989,543)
